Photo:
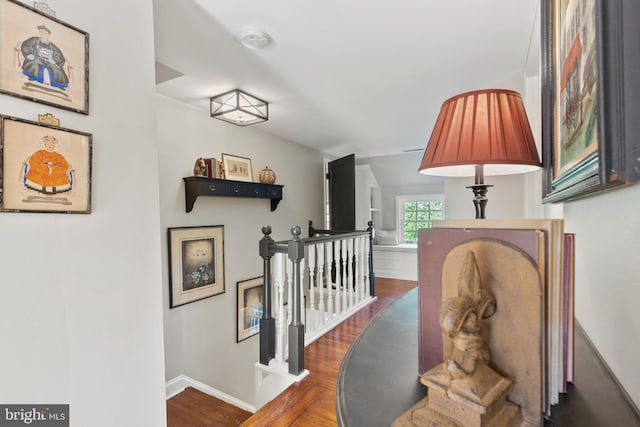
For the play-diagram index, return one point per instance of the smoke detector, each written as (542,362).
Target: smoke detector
(254,38)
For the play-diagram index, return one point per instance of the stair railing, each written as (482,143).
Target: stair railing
(311,297)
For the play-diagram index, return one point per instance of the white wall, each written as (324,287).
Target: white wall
(81,295)
(607,278)
(200,337)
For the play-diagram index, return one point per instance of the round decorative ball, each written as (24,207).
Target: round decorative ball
(267,176)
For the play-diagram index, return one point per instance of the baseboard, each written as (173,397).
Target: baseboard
(179,383)
(623,391)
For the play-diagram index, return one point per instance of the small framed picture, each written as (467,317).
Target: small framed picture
(250,299)
(196,263)
(44,168)
(237,168)
(42,58)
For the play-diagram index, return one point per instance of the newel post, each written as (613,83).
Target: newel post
(267,323)
(296,328)
(372,275)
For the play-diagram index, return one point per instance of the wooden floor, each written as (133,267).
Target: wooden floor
(308,403)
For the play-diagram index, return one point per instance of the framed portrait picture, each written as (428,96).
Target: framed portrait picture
(196,263)
(42,58)
(250,298)
(237,168)
(588,86)
(44,168)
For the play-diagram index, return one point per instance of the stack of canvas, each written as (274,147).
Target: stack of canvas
(534,338)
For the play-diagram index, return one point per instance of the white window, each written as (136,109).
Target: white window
(415,212)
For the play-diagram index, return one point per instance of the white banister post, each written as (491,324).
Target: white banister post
(352,274)
(338,262)
(329,263)
(311,323)
(302,292)
(357,251)
(279,278)
(346,277)
(320,282)
(289,270)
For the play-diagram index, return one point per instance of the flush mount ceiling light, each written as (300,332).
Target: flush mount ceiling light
(239,108)
(253,38)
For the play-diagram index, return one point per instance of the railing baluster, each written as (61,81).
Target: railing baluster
(311,315)
(338,282)
(357,251)
(320,284)
(303,291)
(330,258)
(346,278)
(279,277)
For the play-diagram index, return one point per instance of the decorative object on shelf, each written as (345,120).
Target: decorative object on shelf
(267,176)
(196,186)
(43,58)
(196,263)
(590,93)
(48,119)
(478,133)
(44,168)
(239,108)
(200,168)
(213,167)
(237,168)
(250,298)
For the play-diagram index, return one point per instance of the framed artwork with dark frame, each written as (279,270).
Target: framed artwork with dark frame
(250,298)
(44,168)
(237,168)
(196,263)
(42,58)
(590,89)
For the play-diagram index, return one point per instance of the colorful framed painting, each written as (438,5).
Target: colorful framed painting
(587,89)
(250,298)
(196,263)
(44,168)
(237,168)
(42,58)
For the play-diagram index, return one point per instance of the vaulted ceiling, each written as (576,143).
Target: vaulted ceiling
(344,76)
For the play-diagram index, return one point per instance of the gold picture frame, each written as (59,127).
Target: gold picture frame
(196,263)
(42,58)
(44,168)
(237,168)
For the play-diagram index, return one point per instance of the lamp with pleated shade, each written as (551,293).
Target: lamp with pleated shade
(478,133)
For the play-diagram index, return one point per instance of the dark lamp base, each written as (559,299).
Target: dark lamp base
(480,198)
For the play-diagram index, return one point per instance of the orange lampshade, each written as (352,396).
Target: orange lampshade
(483,127)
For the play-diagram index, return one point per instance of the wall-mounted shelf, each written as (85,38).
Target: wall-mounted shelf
(195,186)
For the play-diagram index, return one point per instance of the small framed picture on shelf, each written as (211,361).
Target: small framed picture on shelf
(196,263)
(44,168)
(250,299)
(237,168)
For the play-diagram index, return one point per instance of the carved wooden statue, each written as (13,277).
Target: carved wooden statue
(200,167)
(464,391)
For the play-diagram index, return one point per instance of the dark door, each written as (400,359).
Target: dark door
(342,193)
